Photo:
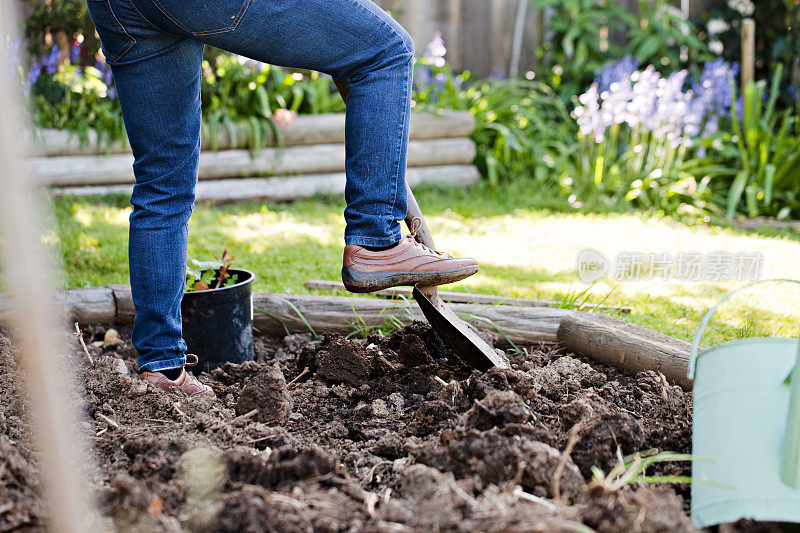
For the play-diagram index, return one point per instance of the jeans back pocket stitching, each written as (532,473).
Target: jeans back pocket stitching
(237,19)
(131,40)
(170,17)
(147,20)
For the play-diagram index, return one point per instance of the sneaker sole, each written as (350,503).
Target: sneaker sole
(355,281)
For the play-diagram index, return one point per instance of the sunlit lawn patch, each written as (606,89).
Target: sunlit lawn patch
(526,247)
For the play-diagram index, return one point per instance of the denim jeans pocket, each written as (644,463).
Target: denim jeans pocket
(204,17)
(115,40)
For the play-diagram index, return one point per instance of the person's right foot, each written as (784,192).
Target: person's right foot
(185,382)
(407,263)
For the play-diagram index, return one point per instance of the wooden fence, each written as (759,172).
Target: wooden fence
(480,34)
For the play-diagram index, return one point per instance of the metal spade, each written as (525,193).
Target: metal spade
(452,330)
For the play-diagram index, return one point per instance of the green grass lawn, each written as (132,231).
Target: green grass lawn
(526,247)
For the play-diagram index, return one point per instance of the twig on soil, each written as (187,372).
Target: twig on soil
(79,335)
(303,373)
(177,408)
(461,493)
(442,382)
(107,420)
(372,499)
(371,472)
(156,420)
(519,493)
(245,416)
(514,484)
(562,463)
(664,387)
(99,433)
(387,363)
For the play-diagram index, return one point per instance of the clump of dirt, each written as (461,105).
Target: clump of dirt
(340,361)
(385,434)
(266,392)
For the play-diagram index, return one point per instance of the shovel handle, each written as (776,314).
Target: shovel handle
(710,313)
(423,234)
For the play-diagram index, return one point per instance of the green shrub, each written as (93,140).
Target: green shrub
(755,167)
(585,34)
(523,129)
(777,38)
(77,99)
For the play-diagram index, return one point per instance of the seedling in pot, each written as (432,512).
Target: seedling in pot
(201,275)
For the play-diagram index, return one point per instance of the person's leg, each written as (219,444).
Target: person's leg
(351,40)
(157,78)
(160,100)
(372,57)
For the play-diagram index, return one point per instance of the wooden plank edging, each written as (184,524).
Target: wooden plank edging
(327,128)
(286,188)
(613,342)
(466,297)
(317,159)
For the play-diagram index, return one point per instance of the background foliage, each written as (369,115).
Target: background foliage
(624,111)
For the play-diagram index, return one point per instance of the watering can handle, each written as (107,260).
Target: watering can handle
(710,313)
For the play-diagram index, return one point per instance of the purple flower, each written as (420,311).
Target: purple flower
(646,101)
(105,72)
(713,89)
(424,75)
(33,75)
(613,72)
(498,73)
(50,60)
(75,52)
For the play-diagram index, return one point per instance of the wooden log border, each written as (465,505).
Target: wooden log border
(305,130)
(319,158)
(286,188)
(607,340)
(466,297)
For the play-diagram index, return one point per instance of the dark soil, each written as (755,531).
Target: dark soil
(389,434)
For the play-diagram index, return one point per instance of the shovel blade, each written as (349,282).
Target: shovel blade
(456,334)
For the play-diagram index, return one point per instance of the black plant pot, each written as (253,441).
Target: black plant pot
(218,323)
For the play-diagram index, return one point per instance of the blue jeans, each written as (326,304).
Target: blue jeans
(155,49)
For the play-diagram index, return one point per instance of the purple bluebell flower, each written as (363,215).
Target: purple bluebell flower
(648,102)
(50,60)
(105,72)
(613,72)
(75,52)
(441,79)
(424,75)
(714,88)
(33,75)
(498,73)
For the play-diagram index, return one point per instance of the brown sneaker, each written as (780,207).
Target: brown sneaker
(407,263)
(186,382)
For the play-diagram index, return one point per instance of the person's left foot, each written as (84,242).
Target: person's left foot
(185,382)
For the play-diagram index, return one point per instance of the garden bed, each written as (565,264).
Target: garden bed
(390,434)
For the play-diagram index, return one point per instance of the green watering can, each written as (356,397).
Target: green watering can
(746,430)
